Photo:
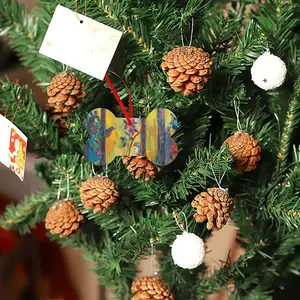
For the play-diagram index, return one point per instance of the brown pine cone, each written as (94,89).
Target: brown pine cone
(188,69)
(99,193)
(65,92)
(245,151)
(140,165)
(151,288)
(63,218)
(215,206)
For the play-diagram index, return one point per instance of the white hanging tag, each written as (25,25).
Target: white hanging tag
(80,42)
(12,147)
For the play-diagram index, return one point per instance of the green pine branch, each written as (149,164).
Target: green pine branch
(215,32)
(22,110)
(206,165)
(243,52)
(258,295)
(121,16)
(108,262)
(277,21)
(24,216)
(114,266)
(283,205)
(291,122)
(226,275)
(274,260)
(222,91)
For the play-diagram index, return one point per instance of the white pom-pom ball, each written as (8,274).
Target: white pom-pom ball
(188,251)
(268,71)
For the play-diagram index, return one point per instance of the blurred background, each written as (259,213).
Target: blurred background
(32,267)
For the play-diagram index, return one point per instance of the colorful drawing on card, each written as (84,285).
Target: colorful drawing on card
(150,136)
(13,147)
(17,153)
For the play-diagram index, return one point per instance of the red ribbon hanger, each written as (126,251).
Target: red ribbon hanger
(127,115)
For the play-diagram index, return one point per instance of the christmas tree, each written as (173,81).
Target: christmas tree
(219,66)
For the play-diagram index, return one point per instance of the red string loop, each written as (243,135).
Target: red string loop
(118,98)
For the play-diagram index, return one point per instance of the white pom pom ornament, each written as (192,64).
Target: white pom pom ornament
(188,250)
(268,71)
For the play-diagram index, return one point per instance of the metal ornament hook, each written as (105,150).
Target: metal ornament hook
(176,217)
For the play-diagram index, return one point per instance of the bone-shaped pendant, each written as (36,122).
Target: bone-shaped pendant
(150,136)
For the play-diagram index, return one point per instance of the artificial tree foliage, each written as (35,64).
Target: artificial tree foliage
(267,206)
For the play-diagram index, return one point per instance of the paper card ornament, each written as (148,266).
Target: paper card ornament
(149,137)
(80,42)
(12,147)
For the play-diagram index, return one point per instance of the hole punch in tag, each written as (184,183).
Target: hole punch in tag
(80,42)
(13,147)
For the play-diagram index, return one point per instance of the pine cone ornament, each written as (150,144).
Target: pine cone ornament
(215,206)
(245,151)
(150,288)
(140,165)
(63,218)
(65,93)
(99,193)
(188,69)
